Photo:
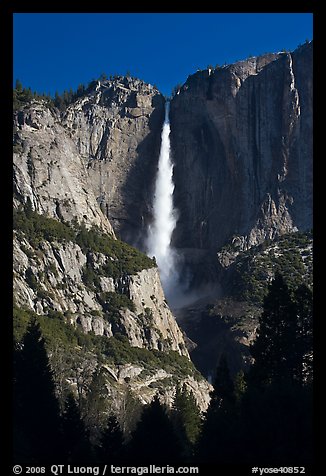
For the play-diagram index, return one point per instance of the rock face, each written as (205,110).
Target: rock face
(49,280)
(241,137)
(115,130)
(97,160)
(49,171)
(241,140)
(58,271)
(95,163)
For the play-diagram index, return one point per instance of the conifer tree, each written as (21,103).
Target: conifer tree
(223,393)
(75,440)
(217,443)
(58,101)
(274,349)
(276,410)
(96,405)
(37,422)
(111,442)
(240,386)
(80,90)
(18,86)
(186,415)
(129,412)
(154,440)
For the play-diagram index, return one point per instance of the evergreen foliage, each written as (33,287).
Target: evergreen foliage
(38,228)
(113,302)
(116,350)
(62,101)
(265,418)
(281,344)
(290,255)
(23,96)
(111,446)
(223,393)
(123,258)
(96,405)
(154,440)
(262,418)
(187,420)
(75,438)
(37,423)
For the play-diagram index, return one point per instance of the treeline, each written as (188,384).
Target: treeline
(23,96)
(263,417)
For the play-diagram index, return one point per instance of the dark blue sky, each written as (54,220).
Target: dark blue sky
(57,51)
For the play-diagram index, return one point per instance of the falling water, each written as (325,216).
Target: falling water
(164,215)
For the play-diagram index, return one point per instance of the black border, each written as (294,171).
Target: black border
(6,32)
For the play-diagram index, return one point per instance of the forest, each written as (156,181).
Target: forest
(261,417)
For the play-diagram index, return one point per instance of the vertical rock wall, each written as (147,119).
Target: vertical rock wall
(241,137)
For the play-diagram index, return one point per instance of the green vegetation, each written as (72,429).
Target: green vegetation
(284,339)
(262,417)
(290,254)
(91,277)
(187,418)
(113,302)
(154,440)
(36,413)
(254,416)
(23,96)
(38,228)
(122,259)
(115,350)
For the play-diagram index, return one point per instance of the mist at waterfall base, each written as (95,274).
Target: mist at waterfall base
(164,221)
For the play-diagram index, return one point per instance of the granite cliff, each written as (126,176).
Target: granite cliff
(81,176)
(100,156)
(241,136)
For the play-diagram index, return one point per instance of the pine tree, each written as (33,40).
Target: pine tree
(80,90)
(218,440)
(37,422)
(276,409)
(18,86)
(129,412)
(111,442)
(59,102)
(154,440)
(96,405)
(103,77)
(186,415)
(223,393)
(75,441)
(274,349)
(240,386)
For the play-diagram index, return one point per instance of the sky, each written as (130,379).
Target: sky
(57,51)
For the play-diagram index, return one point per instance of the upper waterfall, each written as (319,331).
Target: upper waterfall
(164,213)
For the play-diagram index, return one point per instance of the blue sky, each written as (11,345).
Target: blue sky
(57,51)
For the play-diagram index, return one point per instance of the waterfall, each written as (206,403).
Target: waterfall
(164,214)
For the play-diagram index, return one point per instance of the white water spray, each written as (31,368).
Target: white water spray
(165,216)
